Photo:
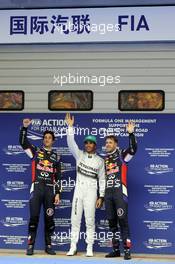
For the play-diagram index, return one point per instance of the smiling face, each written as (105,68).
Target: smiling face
(90,147)
(110,144)
(48,140)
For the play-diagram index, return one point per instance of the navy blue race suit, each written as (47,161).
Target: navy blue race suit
(46,174)
(116,197)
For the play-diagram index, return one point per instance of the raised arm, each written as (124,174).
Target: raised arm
(128,153)
(29,149)
(73,147)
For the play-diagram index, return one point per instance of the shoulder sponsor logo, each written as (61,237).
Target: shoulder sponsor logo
(41,155)
(54,157)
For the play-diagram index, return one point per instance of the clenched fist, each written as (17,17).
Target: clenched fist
(26,122)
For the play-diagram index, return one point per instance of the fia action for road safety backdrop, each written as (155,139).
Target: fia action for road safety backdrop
(150,179)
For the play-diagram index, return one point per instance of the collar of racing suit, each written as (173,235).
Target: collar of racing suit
(90,153)
(46,149)
(111,153)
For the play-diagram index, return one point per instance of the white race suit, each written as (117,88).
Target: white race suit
(90,170)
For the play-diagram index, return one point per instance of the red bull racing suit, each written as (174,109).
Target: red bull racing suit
(46,173)
(116,197)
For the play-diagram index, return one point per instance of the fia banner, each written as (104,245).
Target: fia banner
(87,25)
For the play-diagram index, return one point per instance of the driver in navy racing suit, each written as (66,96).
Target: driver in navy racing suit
(116,196)
(45,188)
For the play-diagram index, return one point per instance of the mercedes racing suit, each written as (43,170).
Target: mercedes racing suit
(46,174)
(90,168)
(116,197)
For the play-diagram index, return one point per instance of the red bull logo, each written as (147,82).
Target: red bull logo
(45,165)
(112,168)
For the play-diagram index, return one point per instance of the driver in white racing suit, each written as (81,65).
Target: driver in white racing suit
(90,169)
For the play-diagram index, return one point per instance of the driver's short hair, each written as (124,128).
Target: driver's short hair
(49,132)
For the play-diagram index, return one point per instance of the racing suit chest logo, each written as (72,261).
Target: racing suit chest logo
(44,162)
(113,164)
(88,169)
